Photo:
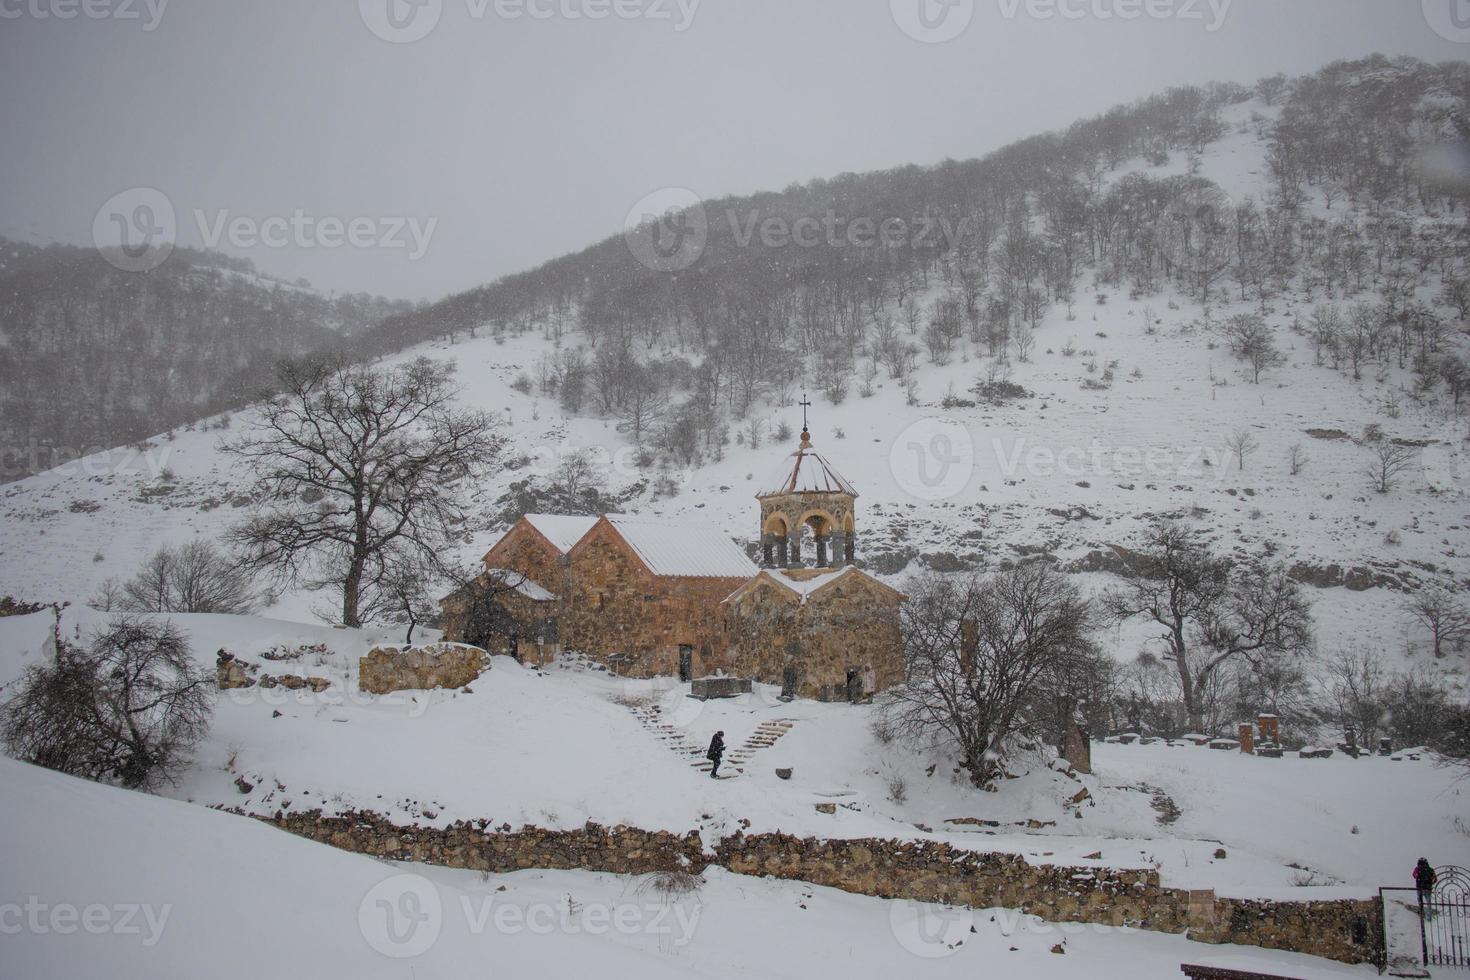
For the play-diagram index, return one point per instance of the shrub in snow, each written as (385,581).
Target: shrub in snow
(192,578)
(131,707)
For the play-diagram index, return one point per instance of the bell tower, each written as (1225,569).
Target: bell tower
(807,493)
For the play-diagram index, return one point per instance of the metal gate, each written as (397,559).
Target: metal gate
(1446,918)
(1427,929)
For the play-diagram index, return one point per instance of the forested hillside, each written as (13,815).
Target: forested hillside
(92,357)
(1364,204)
(1364,201)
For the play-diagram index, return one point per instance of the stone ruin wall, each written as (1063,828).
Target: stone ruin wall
(924,871)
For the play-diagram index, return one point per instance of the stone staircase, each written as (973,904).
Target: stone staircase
(767,733)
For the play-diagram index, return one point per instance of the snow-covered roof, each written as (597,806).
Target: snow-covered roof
(693,550)
(804,587)
(562,530)
(809,581)
(520,583)
(806,471)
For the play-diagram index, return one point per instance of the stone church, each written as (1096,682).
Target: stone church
(648,596)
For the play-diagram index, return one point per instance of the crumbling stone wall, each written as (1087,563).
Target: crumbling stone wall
(232,673)
(928,871)
(480,847)
(1347,930)
(925,871)
(449,665)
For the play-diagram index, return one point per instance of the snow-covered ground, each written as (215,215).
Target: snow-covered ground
(561,747)
(99,881)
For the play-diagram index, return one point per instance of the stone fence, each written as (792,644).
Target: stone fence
(924,871)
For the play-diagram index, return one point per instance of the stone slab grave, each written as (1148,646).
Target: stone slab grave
(710,688)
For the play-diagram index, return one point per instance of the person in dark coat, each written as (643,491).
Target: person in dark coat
(1423,879)
(716,753)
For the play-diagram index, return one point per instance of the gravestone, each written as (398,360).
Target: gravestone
(1077,748)
(710,688)
(1248,738)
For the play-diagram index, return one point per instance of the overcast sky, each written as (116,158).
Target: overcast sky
(506,139)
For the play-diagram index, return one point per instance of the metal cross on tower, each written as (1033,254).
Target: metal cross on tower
(805,404)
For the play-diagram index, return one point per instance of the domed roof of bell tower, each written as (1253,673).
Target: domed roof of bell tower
(806,471)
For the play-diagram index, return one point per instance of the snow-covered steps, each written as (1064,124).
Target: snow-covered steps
(678,741)
(765,736)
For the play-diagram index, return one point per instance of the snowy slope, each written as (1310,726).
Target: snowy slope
(1068,472)
(565,746)
(162,889)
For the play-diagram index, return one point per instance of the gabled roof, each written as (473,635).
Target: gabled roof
(809,585)
(682,549)
(514,581)
(806,471)
(561,530)
(519,583)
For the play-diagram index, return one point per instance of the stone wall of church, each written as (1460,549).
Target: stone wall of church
(527,552)
(615,609)
(848,625)
(517,626)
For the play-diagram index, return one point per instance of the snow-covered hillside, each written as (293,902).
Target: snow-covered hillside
(134,886)
(1083,465)
(568,745)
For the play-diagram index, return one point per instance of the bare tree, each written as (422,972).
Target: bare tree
(1356,679)
(355,465)
(109,596)
(1025,340)
(644,404)
(1208,615)
(869,375)
(1252,341)
(1443,614)
(1296,458)
(404,592)
(1388,465)
(130,708)
(192,578)
(977,651)
(755,427)
(1242,443)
